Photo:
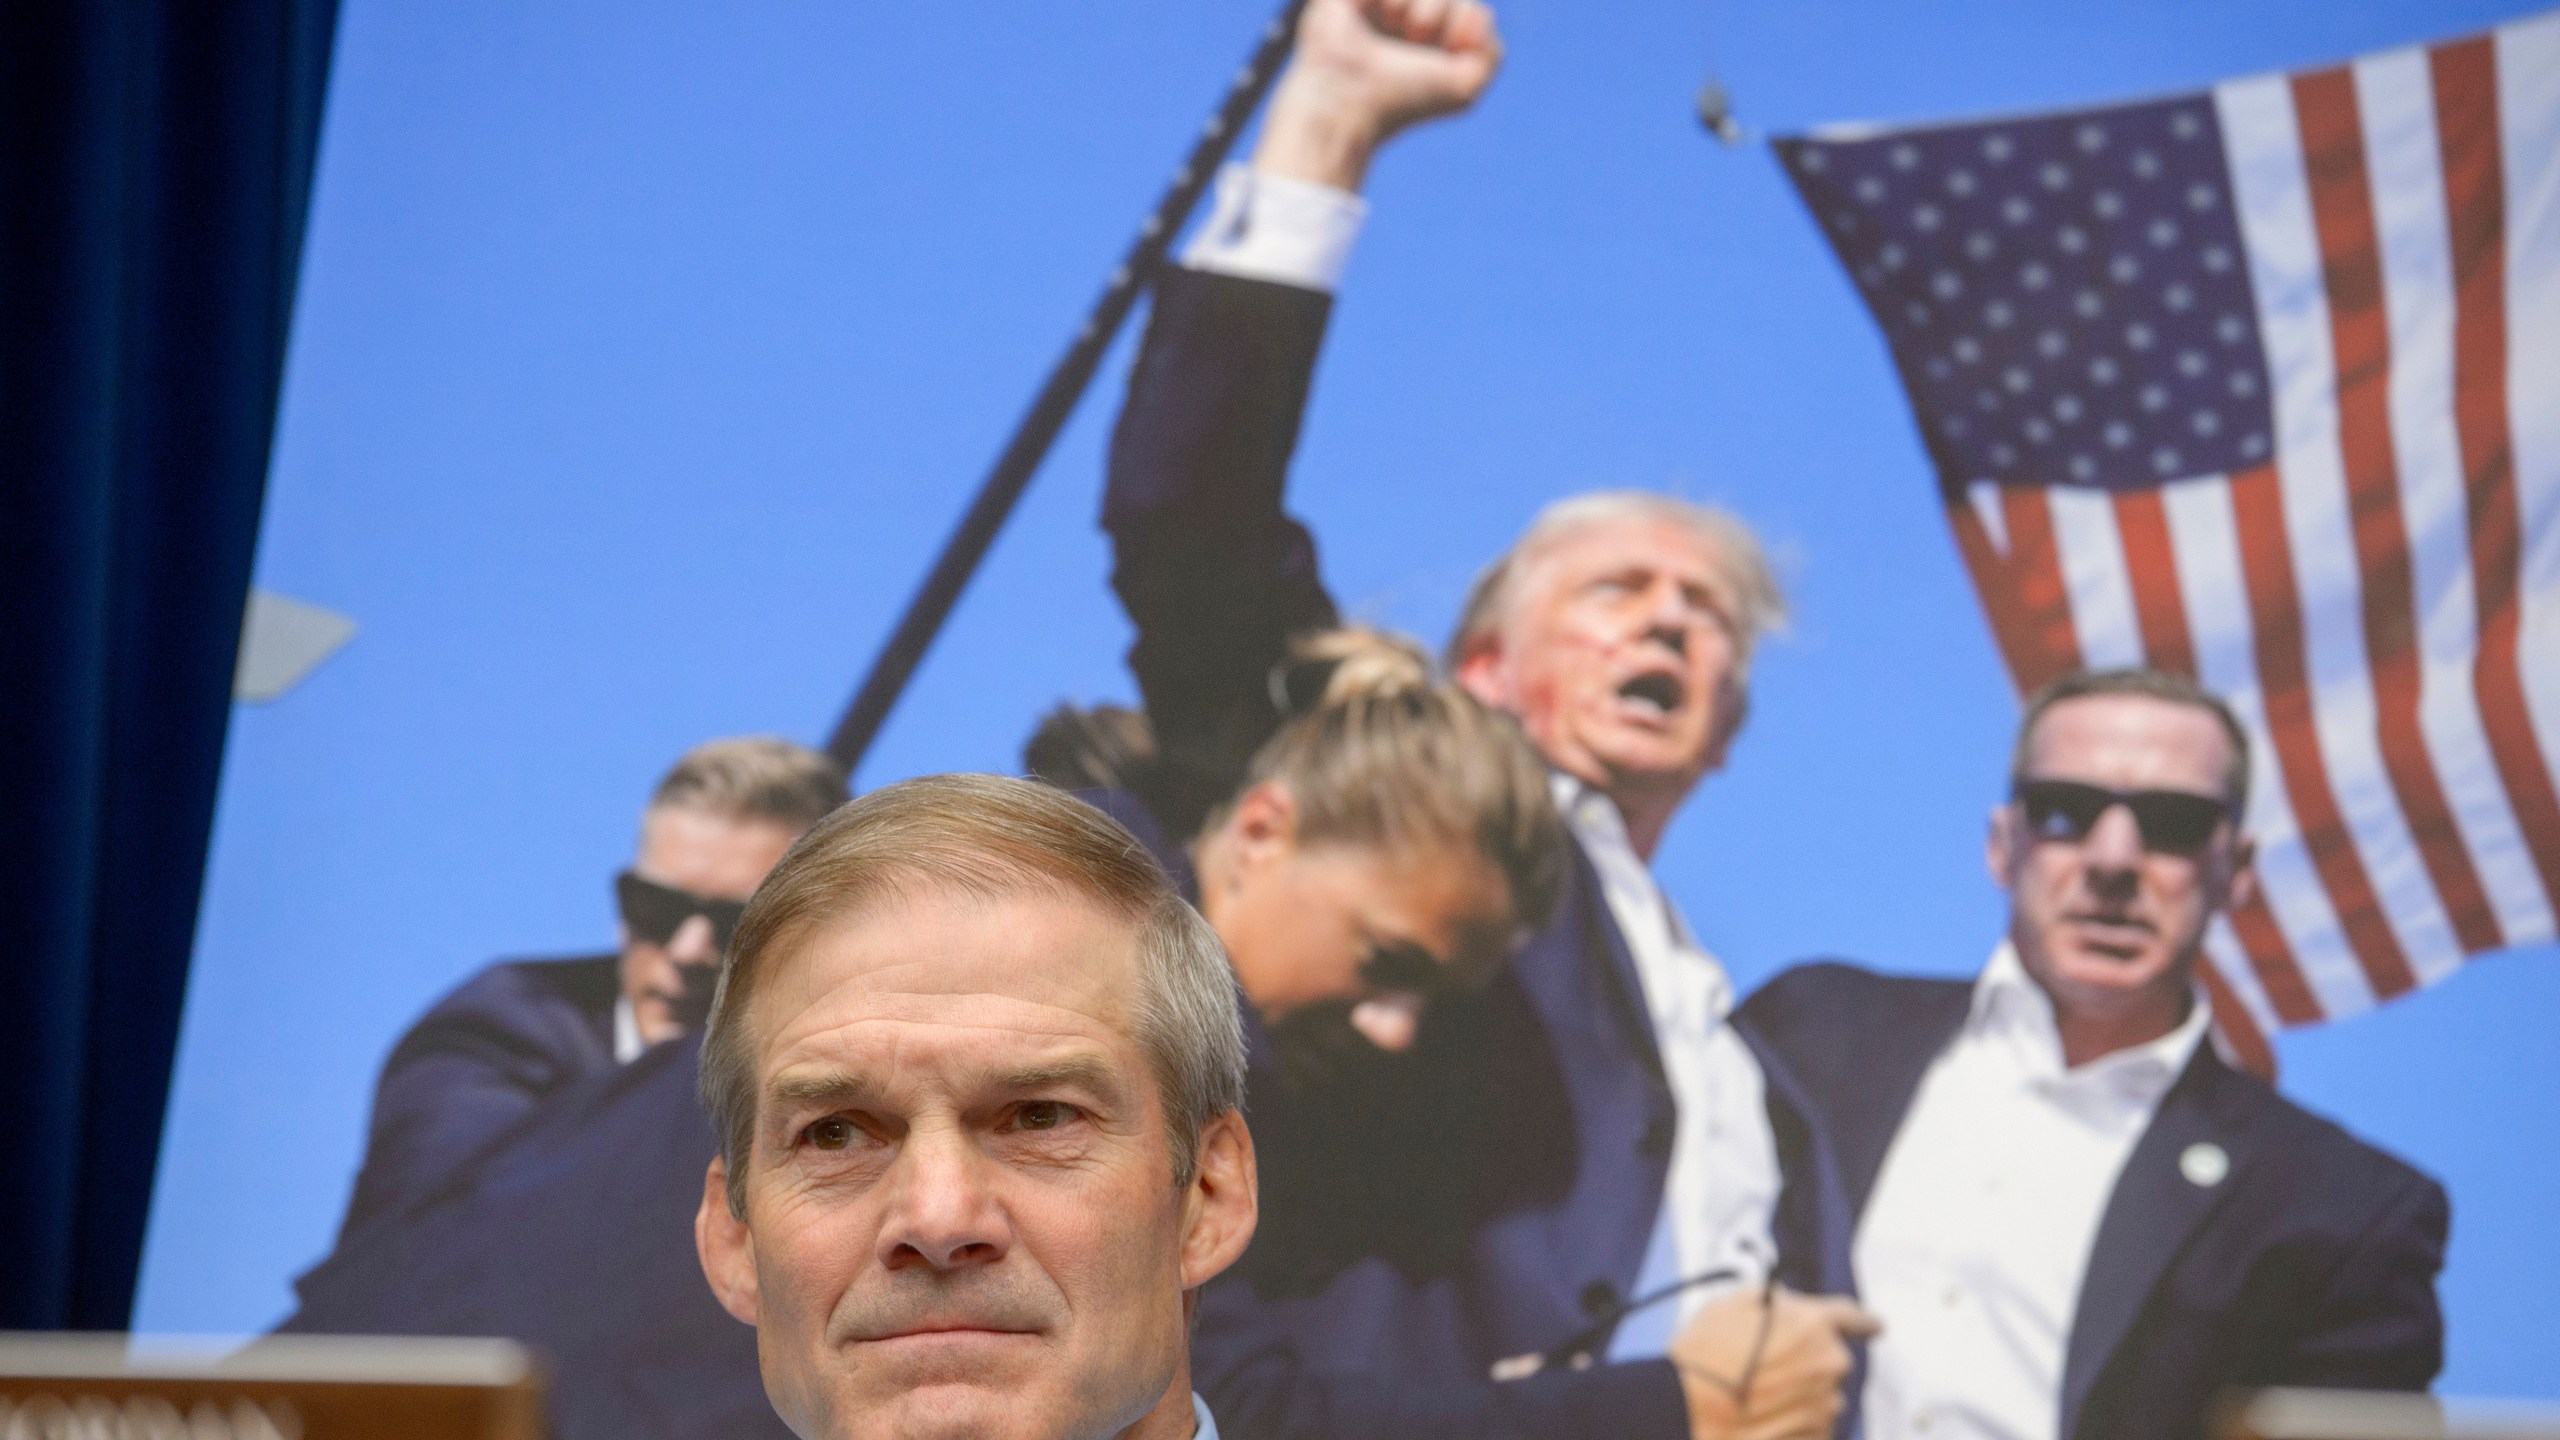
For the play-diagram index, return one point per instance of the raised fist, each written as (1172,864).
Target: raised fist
(1365,69)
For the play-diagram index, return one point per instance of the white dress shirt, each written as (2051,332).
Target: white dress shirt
(1723,1185)
(1269,227)
(1978,1232)
(1204,1426)
(627,1043)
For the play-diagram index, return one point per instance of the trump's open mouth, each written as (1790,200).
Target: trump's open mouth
(1658,692)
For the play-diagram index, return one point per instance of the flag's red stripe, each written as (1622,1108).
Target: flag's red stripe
(2237,1025)
(2022,645)
(2151,560)
(2275,611)
(2466,95)
(2271,955)
(2038,594)
(2360,337)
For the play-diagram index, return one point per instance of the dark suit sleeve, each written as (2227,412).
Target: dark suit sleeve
(1214,574)
(574,1235)
(2376,1325)
(1271,1397)
(470,1071)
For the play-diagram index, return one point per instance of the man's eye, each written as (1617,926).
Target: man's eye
(1042,1115)
(833,1133)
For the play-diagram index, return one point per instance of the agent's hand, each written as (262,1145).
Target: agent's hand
(1365,69)
(1750,1372)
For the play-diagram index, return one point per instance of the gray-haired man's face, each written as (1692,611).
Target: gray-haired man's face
(1617,651)
(959,1216)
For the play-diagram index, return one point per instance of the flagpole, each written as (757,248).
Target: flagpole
(1038,429)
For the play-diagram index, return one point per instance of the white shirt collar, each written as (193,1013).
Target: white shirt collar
(2008,1005)
(1206,1423)
(627,1043)
(1594,820)
(1585,808)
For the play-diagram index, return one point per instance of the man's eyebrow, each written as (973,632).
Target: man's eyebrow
(843,1087)
(821,1087)
(1085,1072)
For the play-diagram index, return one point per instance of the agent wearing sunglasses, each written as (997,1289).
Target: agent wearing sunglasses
(484,1058)
(2074,1218)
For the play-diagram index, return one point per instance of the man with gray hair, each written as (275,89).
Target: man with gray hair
(978,1078)
(1654,1177)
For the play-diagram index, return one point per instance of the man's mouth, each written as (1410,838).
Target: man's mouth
(2119,935)
(956,1331)
(1657,693)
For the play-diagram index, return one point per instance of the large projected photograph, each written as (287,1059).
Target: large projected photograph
(1343,719)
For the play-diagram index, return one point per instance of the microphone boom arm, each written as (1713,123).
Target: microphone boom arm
(1057,398)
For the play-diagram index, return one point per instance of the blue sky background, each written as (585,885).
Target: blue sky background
(646,351)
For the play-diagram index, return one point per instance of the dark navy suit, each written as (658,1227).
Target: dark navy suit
(2311,1262)
(475,1066)
(573,1233)
(1499,1231)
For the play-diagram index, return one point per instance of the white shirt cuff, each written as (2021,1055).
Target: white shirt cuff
(1269,227)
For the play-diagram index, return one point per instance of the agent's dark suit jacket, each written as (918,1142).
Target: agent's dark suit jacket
(2312,1262)
(572,1233)
(1500,1238)
(475,1066)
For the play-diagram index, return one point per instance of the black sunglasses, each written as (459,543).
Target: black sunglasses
(655,912)
(1407,968)
(2172,822)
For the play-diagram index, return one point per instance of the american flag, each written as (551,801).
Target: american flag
(2261,384)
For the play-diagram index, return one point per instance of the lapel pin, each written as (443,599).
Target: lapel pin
(2205,1164)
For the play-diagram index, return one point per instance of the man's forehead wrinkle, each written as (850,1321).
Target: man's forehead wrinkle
(929,984)
(1553,567)
(876,1057)
(2131,737)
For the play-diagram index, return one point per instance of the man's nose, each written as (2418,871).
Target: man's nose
(1668,618)
(2113,847)
(941,1214)
(692,944)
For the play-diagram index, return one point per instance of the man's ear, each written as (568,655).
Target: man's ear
(2000,845)
(1222,1206)
(1264,822)
(728,1251)
(2244,876)
(1479,671)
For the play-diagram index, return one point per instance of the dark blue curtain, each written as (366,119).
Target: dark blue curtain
(155,169)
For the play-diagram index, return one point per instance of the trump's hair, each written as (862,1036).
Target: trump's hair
(1757,603)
